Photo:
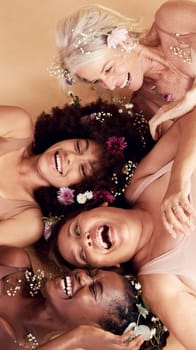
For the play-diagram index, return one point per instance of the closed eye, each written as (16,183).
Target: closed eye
(83,256)
(77,230)
(108,69)
(83,170)
(93,290)
(77,146)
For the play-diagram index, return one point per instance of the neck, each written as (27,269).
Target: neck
(143,237)
(29,177)
(153,61)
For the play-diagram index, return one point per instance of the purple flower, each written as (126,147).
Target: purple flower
(65,195)
(168,97)
(103,194)
(116,145)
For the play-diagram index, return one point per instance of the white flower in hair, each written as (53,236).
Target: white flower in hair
(117,36)
(83,197)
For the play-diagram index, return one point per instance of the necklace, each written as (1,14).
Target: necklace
(182,50)
(33,283)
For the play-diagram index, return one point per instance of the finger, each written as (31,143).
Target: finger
(135,343)
(171,223)
(153,131)
(184,217)
(176,222)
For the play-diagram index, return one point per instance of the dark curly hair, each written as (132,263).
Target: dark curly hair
(96,121)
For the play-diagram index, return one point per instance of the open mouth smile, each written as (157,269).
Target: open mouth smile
(58,163)
(66,285)
(126,82)
(103,237)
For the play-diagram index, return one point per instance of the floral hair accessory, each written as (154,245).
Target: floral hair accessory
(156,330)
(49,222)
(117,36)
(82,198)
(65,195)
(116,145)
(103,194)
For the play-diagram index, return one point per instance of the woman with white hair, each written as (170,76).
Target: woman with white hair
(99,45)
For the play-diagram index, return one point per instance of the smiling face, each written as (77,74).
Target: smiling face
(104,236)
(68,162)
(114,69)
(83,296)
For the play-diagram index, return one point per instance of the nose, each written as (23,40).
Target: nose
(83,278)
(88,239)
(108,83)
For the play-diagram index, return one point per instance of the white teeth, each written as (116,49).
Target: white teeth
(68,286)
(125,82)
(99,237)
(58,163)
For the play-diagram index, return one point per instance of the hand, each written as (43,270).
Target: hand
(172,110)
(178,214)
(96,339)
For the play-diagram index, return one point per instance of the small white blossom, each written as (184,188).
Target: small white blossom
(154,319)
(129,105)
(89,194)
(83,197)
(138,286)
(152,333)
(144,312)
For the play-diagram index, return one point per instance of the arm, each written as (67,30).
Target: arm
(179,143)
(174,304)
(176,17)
(177,212)
(15,122)
(88,338)
(22,230)
(173,110)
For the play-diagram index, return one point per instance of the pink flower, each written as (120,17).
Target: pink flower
(103,194)
(116,145)
(168,97)
(48,229)
(65,195)
(117,36)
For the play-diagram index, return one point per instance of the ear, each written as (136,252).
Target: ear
(104,204)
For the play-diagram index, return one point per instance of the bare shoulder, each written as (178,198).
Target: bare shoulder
(15,122)
(160,287)
(22,230)
(30,226)
(168,13)
(12,256)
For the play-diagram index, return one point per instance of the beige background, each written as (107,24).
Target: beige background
(28,44)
